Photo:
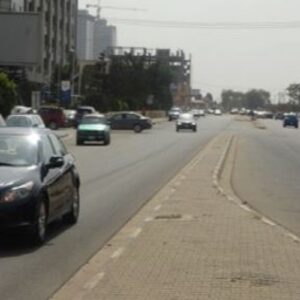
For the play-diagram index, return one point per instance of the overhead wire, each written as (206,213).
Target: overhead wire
(208,25)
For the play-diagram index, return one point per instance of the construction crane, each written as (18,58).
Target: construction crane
(99,7)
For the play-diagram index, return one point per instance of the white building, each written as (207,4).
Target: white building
(93,36)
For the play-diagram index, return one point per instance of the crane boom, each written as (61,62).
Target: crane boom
(99,7)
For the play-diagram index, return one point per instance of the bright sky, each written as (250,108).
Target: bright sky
(222,59)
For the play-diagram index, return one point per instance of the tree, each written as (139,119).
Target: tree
(8,95)
(255,99)
(294,93)
(130,82)
(232,99)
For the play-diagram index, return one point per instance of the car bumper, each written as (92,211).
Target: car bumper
(91,135)
(186,126)
(17,215)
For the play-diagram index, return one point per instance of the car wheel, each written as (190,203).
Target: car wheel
(53,126)
(72,216)
(195,129)
(39,228)
(137,128)
(107,140)
(177,129)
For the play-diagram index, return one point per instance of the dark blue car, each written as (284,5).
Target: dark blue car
(290,120)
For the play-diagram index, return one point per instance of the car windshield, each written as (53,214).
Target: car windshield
(17,150)
(93,120)
(17,121)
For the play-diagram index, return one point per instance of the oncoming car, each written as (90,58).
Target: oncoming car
(290,120)
(93,128)
(39,181)
(186,121)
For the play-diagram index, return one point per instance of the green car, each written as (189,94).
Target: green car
(93,128)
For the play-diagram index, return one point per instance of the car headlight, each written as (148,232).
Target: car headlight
(17,193)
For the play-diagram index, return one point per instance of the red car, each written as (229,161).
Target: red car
(53,117)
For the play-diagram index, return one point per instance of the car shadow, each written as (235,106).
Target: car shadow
(19,243)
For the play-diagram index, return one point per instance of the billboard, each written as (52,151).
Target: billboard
(21,39)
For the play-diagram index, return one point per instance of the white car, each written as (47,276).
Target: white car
(218,112)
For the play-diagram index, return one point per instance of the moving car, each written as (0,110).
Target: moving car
(82,111)
(25,121)
(174,113)
(290,120)
(39,181)
(131,121)
(186,121)
(70,115)
(53,116)
(218,112)
(93,128)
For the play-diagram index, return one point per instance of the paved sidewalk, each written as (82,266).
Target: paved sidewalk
(189,242)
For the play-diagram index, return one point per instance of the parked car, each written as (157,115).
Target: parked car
(39,181)
(279,116)
(290,120)
(93,127)
(70,115)
(174,113)
(20,109)
(186,121)
(53,116)
(130,121)
(25,121)
(2,122)
(198,113)
(81,111)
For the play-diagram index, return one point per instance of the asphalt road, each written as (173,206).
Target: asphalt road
(116,181)
(267,171)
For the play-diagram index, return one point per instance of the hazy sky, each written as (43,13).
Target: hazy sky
(222,59)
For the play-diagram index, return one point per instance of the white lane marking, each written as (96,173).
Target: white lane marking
(157,208)
(136,233)
(149,219)
(267,221)
(94,281)
(117,253)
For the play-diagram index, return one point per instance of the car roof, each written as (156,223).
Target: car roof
(23,130)
(23,115)
(93,115)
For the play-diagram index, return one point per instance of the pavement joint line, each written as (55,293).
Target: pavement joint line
(117,253)
(136,233)
(293,236)
(91,284)
(157,208)
(268,221)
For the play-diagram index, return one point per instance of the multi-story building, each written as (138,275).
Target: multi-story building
(11,5)
(59,32)
(94,36)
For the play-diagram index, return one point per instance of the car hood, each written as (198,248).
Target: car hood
(16,175)
(93,127)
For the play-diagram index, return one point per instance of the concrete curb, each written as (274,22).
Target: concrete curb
(233,197)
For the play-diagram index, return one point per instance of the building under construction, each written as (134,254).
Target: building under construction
(180,64)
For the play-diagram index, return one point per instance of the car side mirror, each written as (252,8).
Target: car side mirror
(55,162)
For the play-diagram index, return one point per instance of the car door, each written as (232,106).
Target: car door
(52,179)
(116,121)
(67,180)
(131,120)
